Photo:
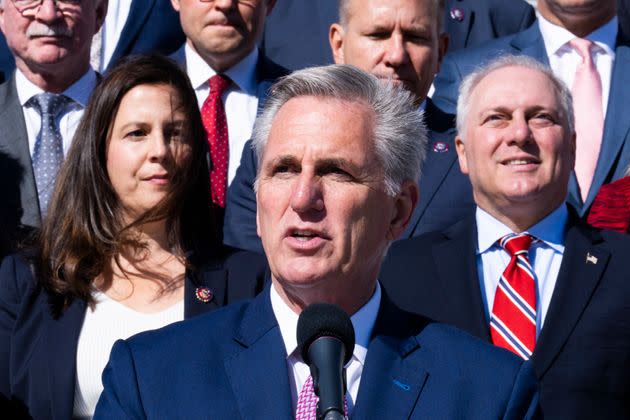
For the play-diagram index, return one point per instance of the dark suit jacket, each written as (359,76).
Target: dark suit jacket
(38,351)
(19,206)
(581,357)
(236,368)
(152,27)
(445,193)
(484,20)
(614,155)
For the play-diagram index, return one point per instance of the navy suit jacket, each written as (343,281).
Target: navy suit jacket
(38,350)
(445,193)
(232,364)
(581,356)
(614,155)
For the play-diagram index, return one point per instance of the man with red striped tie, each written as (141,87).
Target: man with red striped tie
(524,272)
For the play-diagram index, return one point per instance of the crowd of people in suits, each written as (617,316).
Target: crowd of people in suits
(450,173)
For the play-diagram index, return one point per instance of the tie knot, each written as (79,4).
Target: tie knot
(50,104)
(582,47)
(218,84)
(516,244)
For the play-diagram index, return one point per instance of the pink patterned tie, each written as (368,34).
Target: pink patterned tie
(589,117)
(307,402)
(215,123)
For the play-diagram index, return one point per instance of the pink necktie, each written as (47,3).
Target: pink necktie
(307,402)
(589,117)
(215,123)
(513,318)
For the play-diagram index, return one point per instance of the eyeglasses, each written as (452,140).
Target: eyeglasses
(27,5)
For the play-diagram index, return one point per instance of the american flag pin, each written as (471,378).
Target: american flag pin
(591,259)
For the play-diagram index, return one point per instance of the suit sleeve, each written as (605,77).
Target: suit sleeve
(15,280)
(121,396)
(239,228)
(523,403)
(446,85)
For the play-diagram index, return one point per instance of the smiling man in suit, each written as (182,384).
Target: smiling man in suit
(525,272)
(50,41)
(402,40)
(571,37)
(340,153)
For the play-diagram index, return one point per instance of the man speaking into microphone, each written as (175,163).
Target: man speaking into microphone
(339,152)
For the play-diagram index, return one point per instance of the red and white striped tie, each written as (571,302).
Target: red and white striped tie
(513,318)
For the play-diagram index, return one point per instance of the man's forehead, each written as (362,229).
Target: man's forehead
(414,13)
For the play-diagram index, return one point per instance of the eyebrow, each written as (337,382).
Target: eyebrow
(326,163)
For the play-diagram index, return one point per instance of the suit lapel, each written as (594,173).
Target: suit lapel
(14,144)
(138,13)
(456,265)
(262,360)
(459,29)
(616,123)
(61,338)
(392,379)
(583,265)
(530,42)
(212,280)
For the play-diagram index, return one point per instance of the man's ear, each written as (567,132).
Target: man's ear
(335,37)
(443,41)
(175,4)
(460,146)
(405,203)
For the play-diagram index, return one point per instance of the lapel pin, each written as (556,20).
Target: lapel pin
(591,259)
(457,14)
(204,294)
(401,385)
(440,147)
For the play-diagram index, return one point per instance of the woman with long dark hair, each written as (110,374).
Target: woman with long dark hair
(128,243)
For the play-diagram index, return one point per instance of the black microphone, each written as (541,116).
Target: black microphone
(325,338)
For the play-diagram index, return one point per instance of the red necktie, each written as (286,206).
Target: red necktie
(215,123)
(589,117)
(513,318)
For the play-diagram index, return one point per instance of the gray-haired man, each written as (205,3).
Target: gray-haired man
(339,154)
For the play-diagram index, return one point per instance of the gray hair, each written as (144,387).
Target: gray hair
(470,82)
(400,136)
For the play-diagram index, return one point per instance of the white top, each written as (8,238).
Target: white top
(117,14)
(108,322)
(240,100)
(564,60)
(545,256)
(67,120)
(362,321)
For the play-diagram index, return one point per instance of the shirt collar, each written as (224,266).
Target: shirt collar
(551,230)
(555,37)
(243,73)
(363,322)
(79,91)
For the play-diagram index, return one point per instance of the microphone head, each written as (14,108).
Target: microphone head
(324,320)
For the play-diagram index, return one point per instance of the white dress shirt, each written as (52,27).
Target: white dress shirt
(564,60)
(117,14)
(362,321)
(67,120)
(240,100)
(545,256)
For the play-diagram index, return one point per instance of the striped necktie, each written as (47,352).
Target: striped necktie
(513,318)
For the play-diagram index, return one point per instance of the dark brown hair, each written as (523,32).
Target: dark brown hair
(84,229)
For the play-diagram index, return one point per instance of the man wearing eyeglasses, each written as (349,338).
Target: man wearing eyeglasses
(42,102)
